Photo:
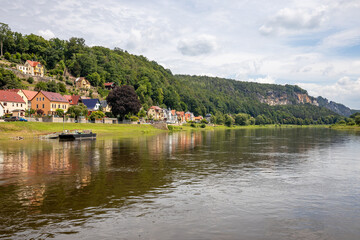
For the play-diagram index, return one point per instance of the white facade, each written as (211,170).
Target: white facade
(24,69)
(2,110)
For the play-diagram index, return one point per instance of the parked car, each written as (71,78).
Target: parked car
(15,118)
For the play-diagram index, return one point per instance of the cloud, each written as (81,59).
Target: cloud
(345,90)
(200,45)
(267,79)
(346,38)
(288,19)
(47,34)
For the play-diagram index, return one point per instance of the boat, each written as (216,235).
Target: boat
(77,135)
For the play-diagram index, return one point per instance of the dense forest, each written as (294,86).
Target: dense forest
(154,84)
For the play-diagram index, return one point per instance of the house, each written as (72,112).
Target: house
(72,99)
(49,102)
(81,82)
(109,85)
(208,117)
(156,113)
(33,68)
(170,116)
(189,116)
(180,117)
(105,106)
(91,104)
(26,95)
(2,110)
(23,69)
(12,102)
(198,119)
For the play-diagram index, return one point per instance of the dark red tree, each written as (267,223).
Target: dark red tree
(123,100)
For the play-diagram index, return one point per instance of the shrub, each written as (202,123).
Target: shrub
(193,125)
(30,80)
(203,125)
(134,118)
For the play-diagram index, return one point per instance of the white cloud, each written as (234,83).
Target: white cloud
(346,38)
(288,19)
(198,45)
(345,90)
(47,34)
(267,79)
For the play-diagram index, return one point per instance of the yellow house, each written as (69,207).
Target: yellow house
(49,102)
(81,82)
(34,68)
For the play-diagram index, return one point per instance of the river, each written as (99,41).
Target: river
(300,183)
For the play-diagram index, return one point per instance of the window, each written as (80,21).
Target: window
(13,104)
(43,105)
(5,104)
(59,106)
(17,104)
(21,105)
(43,99)
(37,105)
(37,99)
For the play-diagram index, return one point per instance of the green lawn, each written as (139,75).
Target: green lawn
(33,129)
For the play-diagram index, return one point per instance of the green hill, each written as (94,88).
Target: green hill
(156,85)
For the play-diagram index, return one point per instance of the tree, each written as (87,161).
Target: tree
(123,100)
(229,121)
(41,86)
(96,115)
(77,110)
(357,119)
(59,112)
(4,30)
(40,112)
(242,119)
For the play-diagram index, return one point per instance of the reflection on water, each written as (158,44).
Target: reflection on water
(231,184)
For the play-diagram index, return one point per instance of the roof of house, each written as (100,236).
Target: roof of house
(29,94)
(155,107)
(72,99)
(9,96)
(90,103)
(33,63)
(108,84)
(180,113)
(173,112)
(103,103)
(54,97)
(198,118)
(82,78)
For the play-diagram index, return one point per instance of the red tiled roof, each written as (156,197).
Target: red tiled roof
(33,63)
(72,99)
(29,94)
(13,90)
(9,96)
(198,118)
(54,97)
(180,113)
(156,108)
(173,112)
(108,84)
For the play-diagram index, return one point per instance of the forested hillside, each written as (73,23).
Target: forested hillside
(156,85)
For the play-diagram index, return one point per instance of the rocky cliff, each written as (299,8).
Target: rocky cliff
(274,98)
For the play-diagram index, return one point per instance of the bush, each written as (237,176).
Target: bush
(69,82)
(203,125)
(30,80)
(193,125)
(134,118)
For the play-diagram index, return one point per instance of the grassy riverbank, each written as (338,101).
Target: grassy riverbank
(345,127)
(30,130)
(34,129)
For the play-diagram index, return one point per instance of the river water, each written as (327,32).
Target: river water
(225,184)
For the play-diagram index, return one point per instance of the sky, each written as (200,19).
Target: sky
(312,43)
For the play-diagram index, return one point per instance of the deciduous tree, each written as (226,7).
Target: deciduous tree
(123,100)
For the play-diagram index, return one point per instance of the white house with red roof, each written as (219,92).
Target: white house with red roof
(26,95)
(156,113)
(33,68)
(12,102)
(2,110)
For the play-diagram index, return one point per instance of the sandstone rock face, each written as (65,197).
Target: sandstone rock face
(283,98)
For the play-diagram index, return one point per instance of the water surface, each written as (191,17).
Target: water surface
(231,184)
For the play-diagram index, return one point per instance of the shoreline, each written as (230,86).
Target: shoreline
(31,130)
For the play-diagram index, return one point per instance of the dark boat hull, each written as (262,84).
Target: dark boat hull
(82,136)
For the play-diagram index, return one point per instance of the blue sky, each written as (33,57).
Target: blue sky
(315,44)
